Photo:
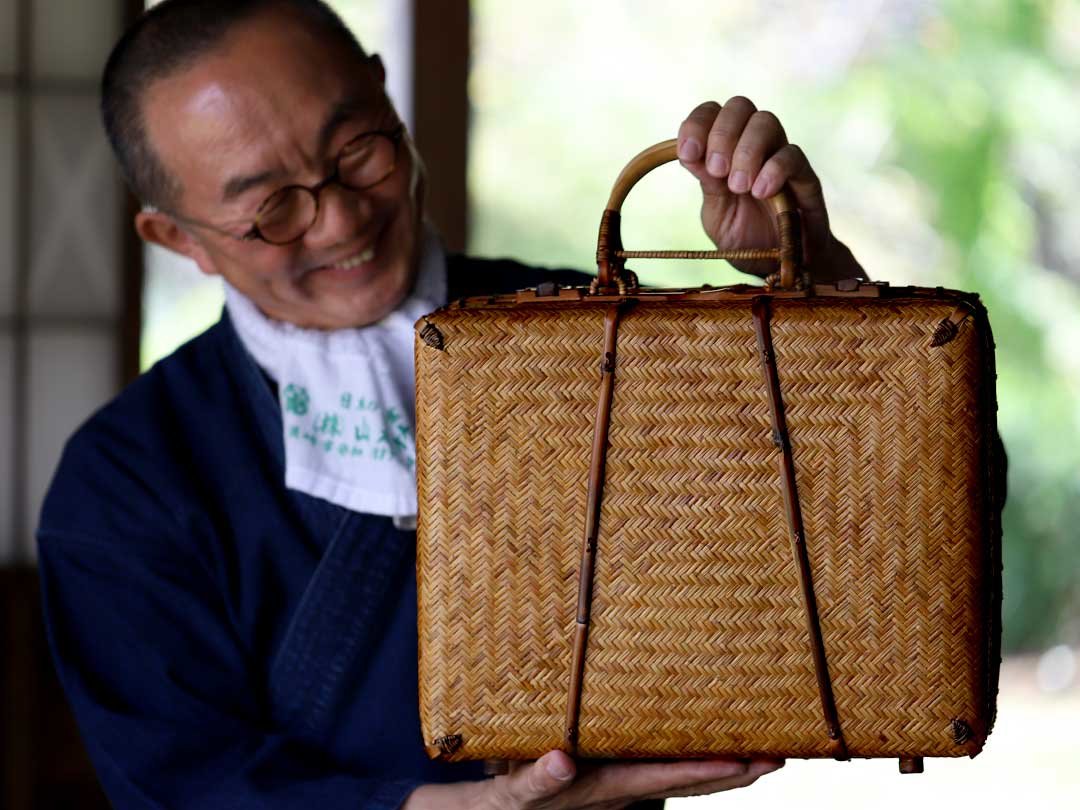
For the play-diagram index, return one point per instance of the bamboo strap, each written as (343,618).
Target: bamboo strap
(745,254)
(762,316)
(592,525)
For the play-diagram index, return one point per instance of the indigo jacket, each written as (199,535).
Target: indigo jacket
(225,641)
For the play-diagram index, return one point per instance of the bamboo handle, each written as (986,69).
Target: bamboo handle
(610,257)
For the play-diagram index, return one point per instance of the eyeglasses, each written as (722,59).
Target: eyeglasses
(287,214)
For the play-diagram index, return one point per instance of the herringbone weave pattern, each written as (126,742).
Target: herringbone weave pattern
(698,642)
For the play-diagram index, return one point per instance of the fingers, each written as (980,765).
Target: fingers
(635,780)
(736,143)
(789,166)
(691,147)
(539,784)
(760,767)
(694,132)
(732,142)
(761,139)
(533,782)
(737,149)
(755,771)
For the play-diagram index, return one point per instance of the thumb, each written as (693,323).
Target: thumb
(547,777)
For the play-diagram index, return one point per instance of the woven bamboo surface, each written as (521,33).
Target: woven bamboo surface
(698,641)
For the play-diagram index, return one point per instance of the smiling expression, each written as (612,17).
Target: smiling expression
(273,105)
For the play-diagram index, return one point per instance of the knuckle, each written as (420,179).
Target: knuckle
(689,126)
(740,101)
(745,152)
(705,110)
(793,157)
(534,781)
(720,136)
(767,118)
(813,187)
(502,796)
(782,161)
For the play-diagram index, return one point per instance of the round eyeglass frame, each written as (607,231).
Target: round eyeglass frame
(255,233)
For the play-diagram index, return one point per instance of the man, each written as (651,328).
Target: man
(233,615)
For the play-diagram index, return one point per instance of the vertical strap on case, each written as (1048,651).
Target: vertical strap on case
(592,525)
(762,315)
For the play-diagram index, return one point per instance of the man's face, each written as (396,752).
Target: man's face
(273,106)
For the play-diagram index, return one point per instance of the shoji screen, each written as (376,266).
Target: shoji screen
(62,246)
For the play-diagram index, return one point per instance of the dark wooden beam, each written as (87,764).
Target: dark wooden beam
(131,258)
(18,690)
(24,162)
(441,48)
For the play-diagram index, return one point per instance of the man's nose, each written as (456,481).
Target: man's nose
(342,213)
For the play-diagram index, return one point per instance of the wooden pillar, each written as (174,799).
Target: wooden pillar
(441,111)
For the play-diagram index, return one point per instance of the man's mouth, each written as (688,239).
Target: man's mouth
(364,256)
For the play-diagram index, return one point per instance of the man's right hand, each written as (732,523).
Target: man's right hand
(554,782)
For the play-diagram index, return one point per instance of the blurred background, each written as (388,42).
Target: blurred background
(947,137)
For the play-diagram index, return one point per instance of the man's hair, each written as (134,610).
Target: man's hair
(167,38)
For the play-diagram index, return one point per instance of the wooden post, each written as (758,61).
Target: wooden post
(441,111)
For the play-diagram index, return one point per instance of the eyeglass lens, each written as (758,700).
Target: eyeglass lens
(363,162)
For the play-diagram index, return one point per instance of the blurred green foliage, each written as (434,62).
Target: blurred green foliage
(947,135)
(1004,216)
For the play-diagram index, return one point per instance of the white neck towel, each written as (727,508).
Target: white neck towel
(348,397)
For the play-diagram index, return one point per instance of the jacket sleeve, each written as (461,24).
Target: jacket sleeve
(163,691)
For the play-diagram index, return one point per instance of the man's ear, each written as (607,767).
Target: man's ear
(161,229)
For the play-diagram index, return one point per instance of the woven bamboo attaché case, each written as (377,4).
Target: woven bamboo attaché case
(721,521)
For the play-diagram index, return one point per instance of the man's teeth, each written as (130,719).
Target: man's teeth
(358,259)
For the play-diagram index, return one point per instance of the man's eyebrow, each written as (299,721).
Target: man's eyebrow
(238,185)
